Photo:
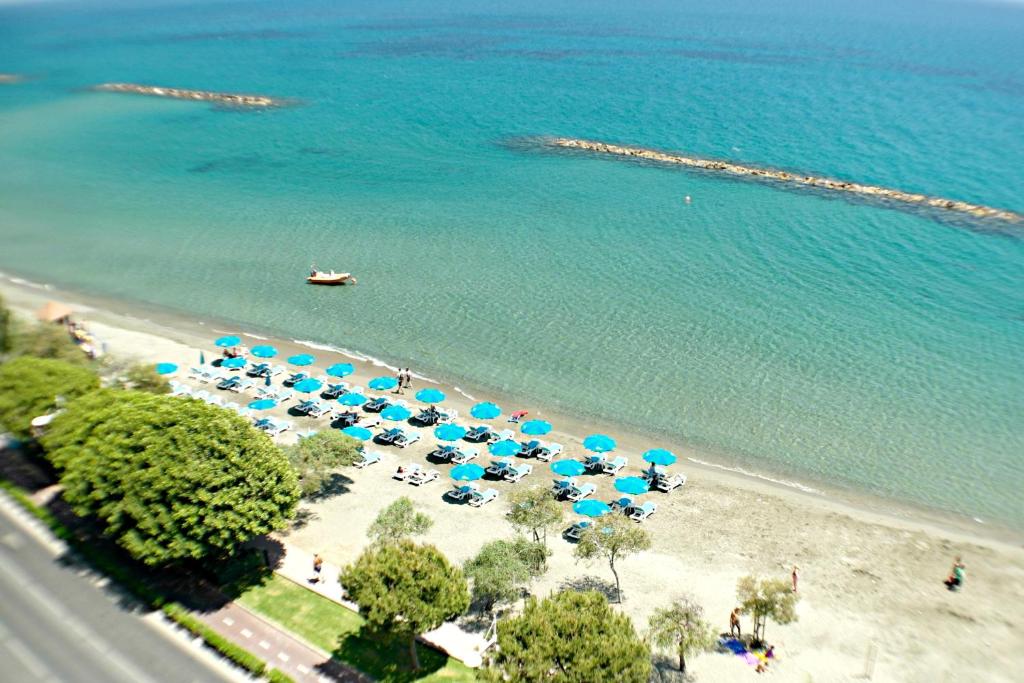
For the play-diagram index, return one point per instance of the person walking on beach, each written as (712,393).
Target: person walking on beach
(408,378)
(400,376)
(795,575)
(734,624)
(318,563)
(956,575)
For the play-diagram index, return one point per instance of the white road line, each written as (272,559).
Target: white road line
(228,621)
(264,644)
(247,633)
(303,669)
(283,657)
(25,656)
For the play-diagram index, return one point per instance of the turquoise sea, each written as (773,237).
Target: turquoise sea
(784,331)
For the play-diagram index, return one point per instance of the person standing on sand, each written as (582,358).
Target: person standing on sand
(795,576)
(400,376)
(318,563)
(734,624)
(408,378)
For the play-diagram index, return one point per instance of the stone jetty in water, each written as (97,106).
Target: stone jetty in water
(975,210)
(229,99)
(7,79)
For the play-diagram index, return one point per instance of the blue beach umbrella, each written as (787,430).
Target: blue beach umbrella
(450,432)
(536,427)
(567,468)
(468,472)
(352,400)
(599,443)
(233,363)
(485,411)
(632,485)
(356,432)
(381,383)
(263,404)
(228,341)
(340,370)
(396,413)
(591,508)
(660,456)
(263,351)
(308,386)
(166,368)
(301,359)
(430,395)
(504,448)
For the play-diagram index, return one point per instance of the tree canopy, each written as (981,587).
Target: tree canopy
(501,569)
(398,521)
(144,377)
(404,589)
(570,637)
(47,340)
(6,323)
(30,387)
(612,537)
(534,510)
(680,628)
(171,479)
(315,457)
(765,599)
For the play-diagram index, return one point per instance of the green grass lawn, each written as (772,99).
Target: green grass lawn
(336,629)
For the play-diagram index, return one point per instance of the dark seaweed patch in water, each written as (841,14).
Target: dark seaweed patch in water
(323,151)
(448,45)
(241,163)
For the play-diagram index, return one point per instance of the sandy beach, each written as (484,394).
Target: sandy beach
(870,581)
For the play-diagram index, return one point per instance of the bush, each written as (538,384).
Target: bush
(171,479)
(399,520)
(239,656)
(502,568)
(6,325)
(30,387)
(313,458)
(144,377)
(277,676)
(47,340)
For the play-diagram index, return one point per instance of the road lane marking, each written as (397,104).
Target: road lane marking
(29,660)
(247,633)
(283,657)
(265,645)
(228,621)
(303,669)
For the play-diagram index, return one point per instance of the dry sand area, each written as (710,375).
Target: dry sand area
(867,581)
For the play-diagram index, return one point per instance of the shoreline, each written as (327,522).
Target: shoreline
(23,295)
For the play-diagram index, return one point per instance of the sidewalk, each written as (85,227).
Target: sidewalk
(301,661)
(297,566)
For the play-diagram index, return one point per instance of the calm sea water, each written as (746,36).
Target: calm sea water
(787,331)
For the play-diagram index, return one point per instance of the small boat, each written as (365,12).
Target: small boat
(319,277)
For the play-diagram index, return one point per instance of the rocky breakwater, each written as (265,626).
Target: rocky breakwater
(9,79)
(223,98)
(975,210)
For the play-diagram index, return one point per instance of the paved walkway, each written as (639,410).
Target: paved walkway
(281,650)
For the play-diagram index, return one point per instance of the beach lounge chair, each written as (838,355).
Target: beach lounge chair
(615,466)
(463,491)
(515,417)
(623,503)
(651,474)
(444,451)
(578,493)
(405,471)
(243,384)
(498,468)
(388,435)
(562,487)
(479,498)
(446,415)
(276,427)
(574,532)
(335,390)
(261,422)
(423,476)
(368,458)
(304,406)
(179,389)
(232,406)
(668,482)
(347,418)
(428,417)
(284,395)
(516,474)
(406,438)
(295,378)
(370,423)
(376,405)
(595,463)
(526,448)
(215,401)
(258,370)
(212,375)
(463,456)
(479,433)
(548,451)
(195,372)
(641,512)
(503,435)
(320,409)
(202,394)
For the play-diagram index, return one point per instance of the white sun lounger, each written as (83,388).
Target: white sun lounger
(574,532)
(201,395)
(336,390)
(615,466)
(516,474)
(179,389)
(463,456)
(479,433)
(480,498)
(526,448)
(595,463)
(548,451)
(642,512)
(406,438)
(503,435)
(578,493)
(498,468)
(563,487)
(423,477)
(463,491)
(668,482)
(319,409)
(369,458)
(405,471)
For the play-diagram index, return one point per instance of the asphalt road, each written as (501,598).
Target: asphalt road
(58,624)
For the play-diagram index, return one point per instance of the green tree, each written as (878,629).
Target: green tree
(681,629)
(765,599)
(315,457)
(399,521)
(570,637)
(501,569)
(534,510)
(48,340)
(30,387)
(6,328)
(171,479)
(144,377)
(612,538)
(404,589)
